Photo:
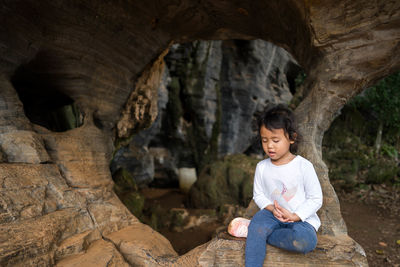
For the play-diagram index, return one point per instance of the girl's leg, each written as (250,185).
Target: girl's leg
(297,237)
(261,226)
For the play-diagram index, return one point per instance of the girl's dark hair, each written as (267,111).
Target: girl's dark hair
(280,117)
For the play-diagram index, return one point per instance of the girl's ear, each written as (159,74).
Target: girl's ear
(294,138)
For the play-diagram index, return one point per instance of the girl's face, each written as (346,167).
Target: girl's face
(276,145)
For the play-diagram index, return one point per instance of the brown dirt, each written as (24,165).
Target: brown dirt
(375,228)
(187,239)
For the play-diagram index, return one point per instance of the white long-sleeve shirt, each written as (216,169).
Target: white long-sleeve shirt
(295,186)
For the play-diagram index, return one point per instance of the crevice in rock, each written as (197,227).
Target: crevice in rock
(116,247)
(93,220)
(103,237)
(3,157)
(62,174)
(47,162)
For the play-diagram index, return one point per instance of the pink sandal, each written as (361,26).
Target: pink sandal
(238,227)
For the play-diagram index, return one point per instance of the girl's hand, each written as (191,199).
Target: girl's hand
(283,214)
(278,214)
(275,212)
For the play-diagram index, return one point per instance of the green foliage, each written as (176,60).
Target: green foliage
(352,163)
(299,91)
(382,171)
(384,100)
(299,80)
(346,157)
(390,151)
(381,103)
(348,146)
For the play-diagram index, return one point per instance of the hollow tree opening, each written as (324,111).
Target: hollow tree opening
(40,89)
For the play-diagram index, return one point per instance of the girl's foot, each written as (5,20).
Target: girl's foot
(238,227)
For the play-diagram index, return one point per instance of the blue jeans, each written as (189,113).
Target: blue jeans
(265,228)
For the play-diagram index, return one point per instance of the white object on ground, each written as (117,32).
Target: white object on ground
(187,177)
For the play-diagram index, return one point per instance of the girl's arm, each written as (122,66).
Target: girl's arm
(313,193)
(258,189)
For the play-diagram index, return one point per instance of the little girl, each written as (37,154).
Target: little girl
(286,189)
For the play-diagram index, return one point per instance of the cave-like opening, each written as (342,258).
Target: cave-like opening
(41,93)
(209,99)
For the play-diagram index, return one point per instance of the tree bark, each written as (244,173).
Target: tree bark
(378,140)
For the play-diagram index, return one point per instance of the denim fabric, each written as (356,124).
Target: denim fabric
(265,228)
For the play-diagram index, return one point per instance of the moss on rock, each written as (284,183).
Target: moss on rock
(227,181)
(128,192)
(123,181)
(134,201)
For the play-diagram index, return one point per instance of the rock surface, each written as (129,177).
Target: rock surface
(226,181)
(100,253)
(255,75)
(99,53)
(215,91)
